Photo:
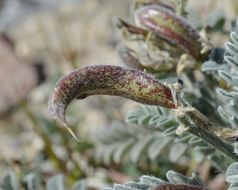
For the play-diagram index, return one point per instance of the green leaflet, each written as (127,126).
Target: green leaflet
(151,182)
(232,176)
(32,181)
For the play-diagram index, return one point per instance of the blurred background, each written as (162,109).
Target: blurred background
(42,40)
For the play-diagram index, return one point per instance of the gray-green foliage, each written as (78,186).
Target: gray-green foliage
(120,141)
(159,119)
(232,176)
(229,111)
(10,182)
(32,182)
(155,129)
(228,72)
(146,182)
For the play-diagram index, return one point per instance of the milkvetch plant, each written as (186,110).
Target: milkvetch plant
(172,46)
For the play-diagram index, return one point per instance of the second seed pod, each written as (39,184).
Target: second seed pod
(172,28)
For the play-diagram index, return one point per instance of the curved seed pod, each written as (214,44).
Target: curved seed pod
(131,32)
(172,28)
(107,80)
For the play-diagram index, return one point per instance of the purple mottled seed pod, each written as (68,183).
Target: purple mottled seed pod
(172,28)
(108,80)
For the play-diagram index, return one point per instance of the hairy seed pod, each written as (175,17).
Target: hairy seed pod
(107,80)
(131,32)
(172,28)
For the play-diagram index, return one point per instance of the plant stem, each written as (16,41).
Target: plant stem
(48,145)
(200,126)
(69,152)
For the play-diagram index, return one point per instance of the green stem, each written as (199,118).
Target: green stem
(69,152)
(212,139)
(200,126)
(59,163)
